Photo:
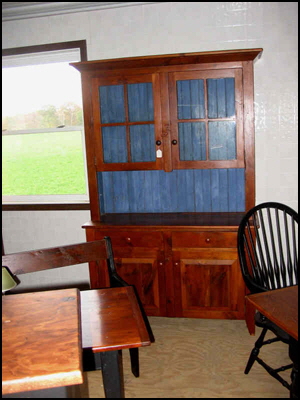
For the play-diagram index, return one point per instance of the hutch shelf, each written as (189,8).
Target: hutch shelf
(170,157)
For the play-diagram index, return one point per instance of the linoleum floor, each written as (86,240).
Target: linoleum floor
(198,358)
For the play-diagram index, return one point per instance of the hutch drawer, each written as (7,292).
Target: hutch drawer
(204,239)
(135,238)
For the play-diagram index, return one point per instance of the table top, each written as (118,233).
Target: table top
(41,340)
(112,320)
(280,306)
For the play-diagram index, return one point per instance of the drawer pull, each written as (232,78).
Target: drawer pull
(128,239)
(207,240)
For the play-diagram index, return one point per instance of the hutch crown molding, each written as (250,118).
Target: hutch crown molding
(170,156)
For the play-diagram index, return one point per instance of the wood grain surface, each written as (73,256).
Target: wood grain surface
(112,320)
(41,340)
(280,306)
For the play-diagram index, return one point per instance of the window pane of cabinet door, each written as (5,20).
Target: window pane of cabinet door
(190,97)
(112,104)
(140,102)
(206,119)
(220,98)
(192,141)
(222,140)
(141,109)
(114,144)
(142,143)
(127,120)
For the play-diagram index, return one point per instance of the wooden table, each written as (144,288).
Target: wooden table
(281,307)
(41,340)
(112,321)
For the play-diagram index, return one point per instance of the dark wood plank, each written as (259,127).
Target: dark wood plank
(41,340)
(280,306)
(200,221)
(45,207)
(81,44)
(249,134)
(112,320)
(171,59)
(38,260)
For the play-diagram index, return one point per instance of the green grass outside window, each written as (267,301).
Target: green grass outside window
(43,164)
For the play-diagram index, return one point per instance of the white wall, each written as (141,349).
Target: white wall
(29,230)
(173,27)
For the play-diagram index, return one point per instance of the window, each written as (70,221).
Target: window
(43,152)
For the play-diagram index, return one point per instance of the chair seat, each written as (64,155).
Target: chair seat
(263,322)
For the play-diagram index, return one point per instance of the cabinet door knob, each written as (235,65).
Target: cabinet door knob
(174,141)
(128,239)
(207,240)
(158,142)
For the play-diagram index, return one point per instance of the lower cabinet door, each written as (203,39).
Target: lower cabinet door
(146,275)
(209,284)
(139,260)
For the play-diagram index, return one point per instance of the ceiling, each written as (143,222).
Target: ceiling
(14,10)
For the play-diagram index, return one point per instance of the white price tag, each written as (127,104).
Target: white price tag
(158,153)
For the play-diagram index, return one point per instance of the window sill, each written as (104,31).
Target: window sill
(46,207)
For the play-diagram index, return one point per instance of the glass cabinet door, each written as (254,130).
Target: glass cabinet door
(206,119)
(127,119)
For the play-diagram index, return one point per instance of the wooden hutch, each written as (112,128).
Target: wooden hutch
(170,155)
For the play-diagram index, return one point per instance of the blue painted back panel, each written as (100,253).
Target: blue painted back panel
(114,144)
(190,97)
(192,141)
(222,140)
(210,190)
(142,143)
(140,102)
(112,104)
(221,99)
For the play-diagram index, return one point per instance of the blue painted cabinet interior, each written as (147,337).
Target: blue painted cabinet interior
(193,104)
(211,190)
(136,114)
(206,126)
(130,107)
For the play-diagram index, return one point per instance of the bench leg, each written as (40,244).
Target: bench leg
(112,373)
(134,358)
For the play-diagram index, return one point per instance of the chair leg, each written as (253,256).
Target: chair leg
(294,356)
(134,358)
(255,350)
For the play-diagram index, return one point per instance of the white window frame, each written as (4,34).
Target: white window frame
(34,55)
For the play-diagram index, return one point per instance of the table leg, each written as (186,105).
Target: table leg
(294,356)
(250,316)
(112,373)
